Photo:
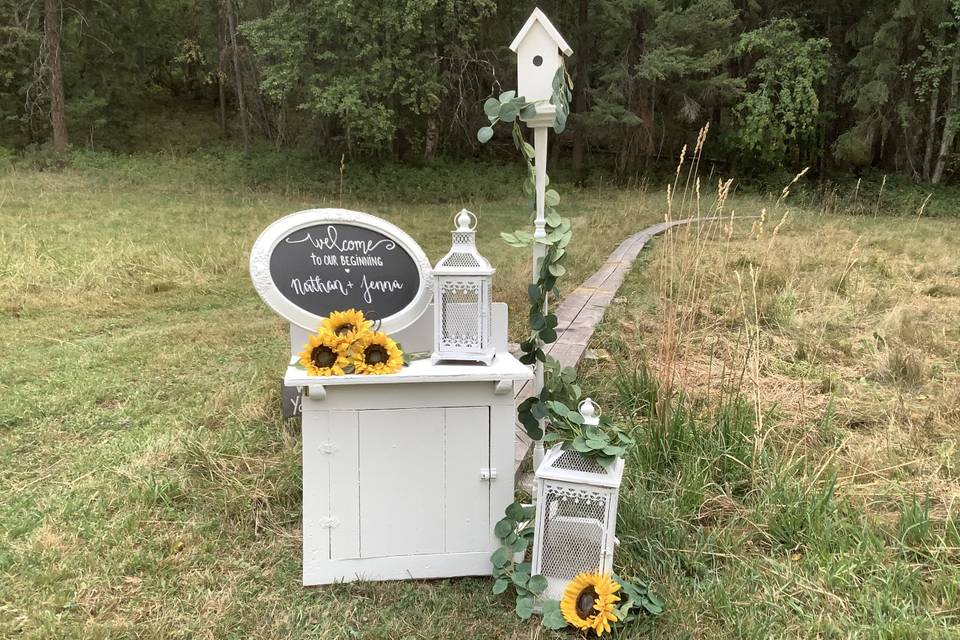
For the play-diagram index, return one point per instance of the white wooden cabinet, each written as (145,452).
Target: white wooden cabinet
(405,475)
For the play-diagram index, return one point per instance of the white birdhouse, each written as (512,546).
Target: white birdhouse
(462,306)
(538,46)
(576,513)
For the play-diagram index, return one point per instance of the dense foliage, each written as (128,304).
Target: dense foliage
(837,85)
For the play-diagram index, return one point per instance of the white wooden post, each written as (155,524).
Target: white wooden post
(538,46)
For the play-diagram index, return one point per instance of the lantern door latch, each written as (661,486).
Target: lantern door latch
(488,473)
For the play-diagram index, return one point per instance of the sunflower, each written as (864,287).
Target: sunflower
(349,324)
(588,602)
(376,353)
(324,355)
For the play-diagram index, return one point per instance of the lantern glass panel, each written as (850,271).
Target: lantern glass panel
(461,318)
(574,530)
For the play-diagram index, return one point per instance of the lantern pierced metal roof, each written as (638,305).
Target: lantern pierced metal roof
(463,256)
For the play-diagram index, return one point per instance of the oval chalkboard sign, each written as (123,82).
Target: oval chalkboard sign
(310,263)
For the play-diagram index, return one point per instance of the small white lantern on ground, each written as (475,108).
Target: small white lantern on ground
(462,283)
(576,513)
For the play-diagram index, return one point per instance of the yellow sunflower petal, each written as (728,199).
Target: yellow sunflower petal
(324,355)
(348,325)
(376,354)
(588,602)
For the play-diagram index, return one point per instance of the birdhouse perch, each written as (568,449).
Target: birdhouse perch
(538,46)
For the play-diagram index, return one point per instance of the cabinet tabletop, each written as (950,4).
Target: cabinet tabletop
(503,367)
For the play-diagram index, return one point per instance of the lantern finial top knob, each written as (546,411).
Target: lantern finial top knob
(590,412)
(465,220)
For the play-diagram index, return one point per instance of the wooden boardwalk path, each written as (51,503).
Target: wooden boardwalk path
(581,310)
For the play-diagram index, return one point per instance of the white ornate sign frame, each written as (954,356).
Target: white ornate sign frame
(277,231)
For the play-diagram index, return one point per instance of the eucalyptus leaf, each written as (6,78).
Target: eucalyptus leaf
(524,608)
(552,615)
(557,269)
(551,197)
(520,578)
(514,511)
(561,122)
(484,134)
(540,411)
(500,557)
(492,108)
(507,96)
(500,586)
(509,112)
(652,607)
(537,584)
(504,528)
(606,461)
(579,444)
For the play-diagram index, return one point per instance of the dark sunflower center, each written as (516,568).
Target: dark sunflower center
(344,329)
(375,354)
(585,602)
(323,356)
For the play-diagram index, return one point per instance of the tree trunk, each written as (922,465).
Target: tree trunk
(52,24)
(237,75)
(432,136)
(950,124)
(221,89)
(581,86)
(931,133)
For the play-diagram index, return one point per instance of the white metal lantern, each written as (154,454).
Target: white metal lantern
(462,305)
(576,513)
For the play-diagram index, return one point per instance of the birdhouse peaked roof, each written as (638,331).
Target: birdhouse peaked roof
(538,16)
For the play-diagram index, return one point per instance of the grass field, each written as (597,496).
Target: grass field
(150,488)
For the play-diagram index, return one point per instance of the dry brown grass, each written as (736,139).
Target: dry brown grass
(810,315)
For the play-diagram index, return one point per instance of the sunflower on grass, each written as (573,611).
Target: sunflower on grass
(589,600)
(347,325)
(376,353)
(324,355)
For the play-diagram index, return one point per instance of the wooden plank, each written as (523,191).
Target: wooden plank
(582,309)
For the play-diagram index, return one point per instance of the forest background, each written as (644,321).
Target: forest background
(846,87)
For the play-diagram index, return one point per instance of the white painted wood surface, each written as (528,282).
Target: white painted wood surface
(263,282)
(503,367)
(405,474)
(401,480)
(538,46)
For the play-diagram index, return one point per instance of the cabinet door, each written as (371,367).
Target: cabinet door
(420,485)
(466,495)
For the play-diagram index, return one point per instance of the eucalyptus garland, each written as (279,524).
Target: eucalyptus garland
(556,404)
(557,401)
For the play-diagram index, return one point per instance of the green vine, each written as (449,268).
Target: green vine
(556,403)
(515,532)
